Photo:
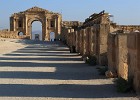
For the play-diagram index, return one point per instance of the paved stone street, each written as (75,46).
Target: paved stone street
(47,71)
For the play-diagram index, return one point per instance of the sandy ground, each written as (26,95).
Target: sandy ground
(9,45)
(31,70)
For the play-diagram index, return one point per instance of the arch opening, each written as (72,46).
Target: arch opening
(20,34)
(36,32)
(52,36)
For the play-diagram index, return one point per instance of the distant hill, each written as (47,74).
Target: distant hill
(37,32)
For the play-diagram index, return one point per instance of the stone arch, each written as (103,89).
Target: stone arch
(51,21)
(36,30)
(29,24)
(21,35)
(31,20)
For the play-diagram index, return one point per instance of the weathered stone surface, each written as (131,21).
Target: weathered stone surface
(132,41)
(111,48)
(134,59)
(137,81)
(121,56)
(9,34)
(117,54)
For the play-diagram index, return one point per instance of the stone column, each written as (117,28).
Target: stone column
(17,24)
(26,25)
(134,59)
(46,34)
(87,41)
(121,55)
(23,23)
(137,74)
(58,25)
(55,23)
(77,41)
(111,52)
(14,23)
(103,34)
(74,38)
(80,41)
(84,41)
(91,40)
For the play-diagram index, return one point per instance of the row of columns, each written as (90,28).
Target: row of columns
(90,42)
(124,56)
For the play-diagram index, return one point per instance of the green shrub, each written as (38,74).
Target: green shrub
(102,70)
(123,85)
(91,60)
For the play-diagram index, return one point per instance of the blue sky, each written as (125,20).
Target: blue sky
(124,11)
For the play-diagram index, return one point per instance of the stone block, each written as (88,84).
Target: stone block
(122,40)
(110,74)
(103,40)
(137,81)
(138,51)
(131,42)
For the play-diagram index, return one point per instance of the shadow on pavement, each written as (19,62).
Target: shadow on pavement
(37,52)
(61,90)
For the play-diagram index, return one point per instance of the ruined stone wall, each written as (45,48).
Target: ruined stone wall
(124,28)
(9,34)
(71,23)
(84,41)
(12,35)
(134,59)
(112,44)
(66,28)
(70,36)
(129,28)
(91,36)
(63,35)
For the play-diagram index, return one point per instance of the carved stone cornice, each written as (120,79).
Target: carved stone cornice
(37,9)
